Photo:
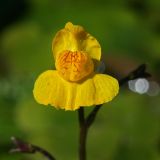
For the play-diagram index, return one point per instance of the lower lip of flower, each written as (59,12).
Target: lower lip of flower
(74,66)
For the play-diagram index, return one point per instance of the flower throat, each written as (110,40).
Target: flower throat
(74,66)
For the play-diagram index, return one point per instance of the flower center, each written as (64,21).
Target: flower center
(74,66)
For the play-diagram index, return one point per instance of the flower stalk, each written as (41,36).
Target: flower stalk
(83,134)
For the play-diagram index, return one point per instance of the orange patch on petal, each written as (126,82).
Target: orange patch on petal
(73,66)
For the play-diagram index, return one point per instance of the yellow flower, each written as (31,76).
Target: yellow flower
(74,83)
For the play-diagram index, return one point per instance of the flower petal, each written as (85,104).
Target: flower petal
(50,88)
(97,90)
(75,38)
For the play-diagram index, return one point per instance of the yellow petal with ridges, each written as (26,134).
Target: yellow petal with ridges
(75,38)
(51,89)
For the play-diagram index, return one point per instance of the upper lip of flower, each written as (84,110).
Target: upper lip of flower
(75,38)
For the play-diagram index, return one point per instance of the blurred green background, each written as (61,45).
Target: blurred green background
(127,128)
